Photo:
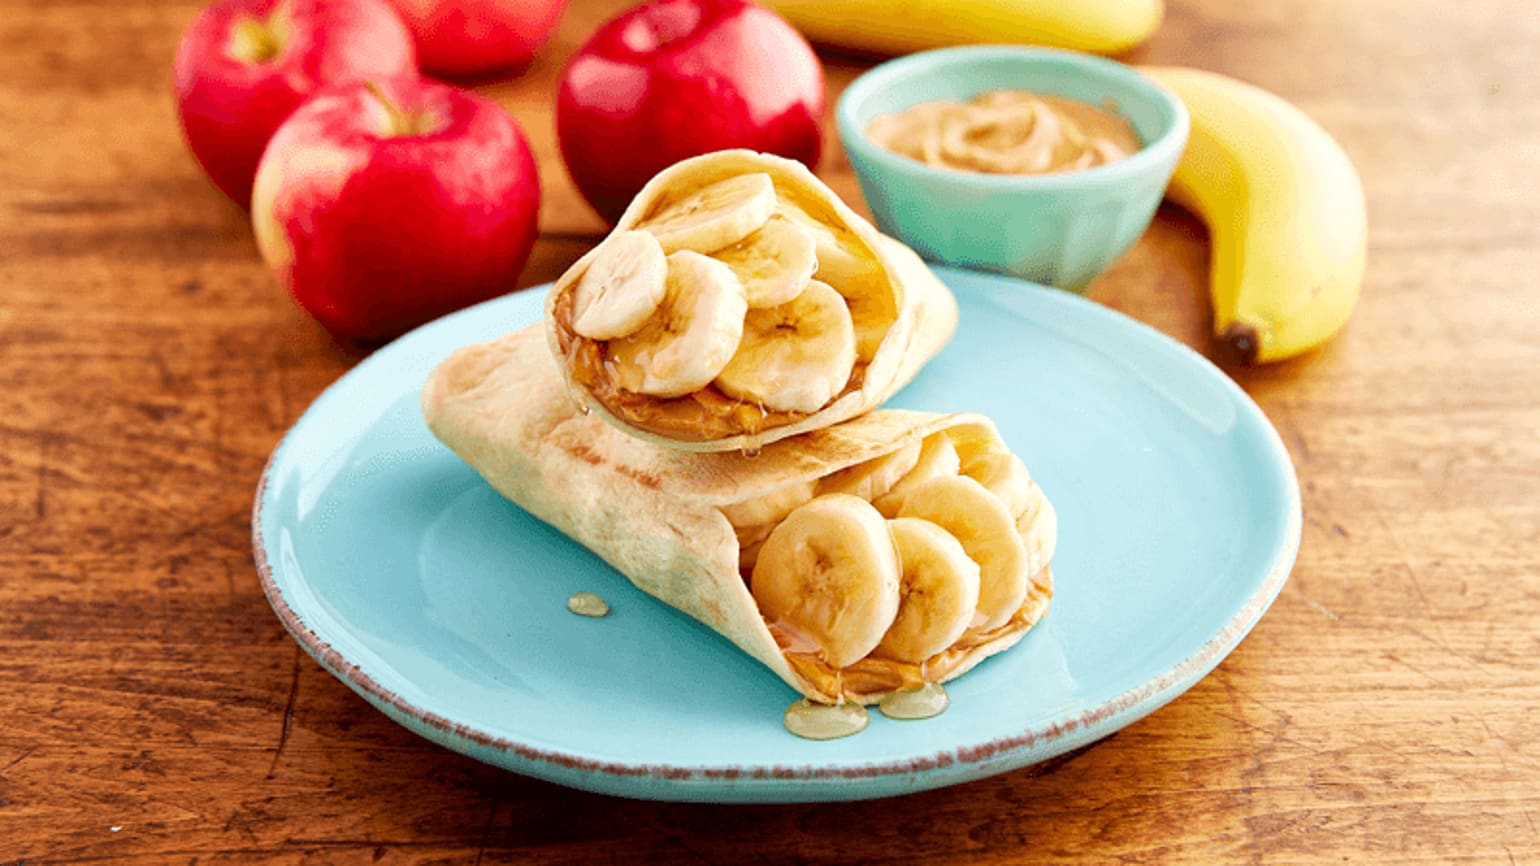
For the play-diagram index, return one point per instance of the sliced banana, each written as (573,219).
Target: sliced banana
(830,571)
(873,478)
(775,263)
(1003,474)
(988,533)
(754,534)
(871,317)
(938,591)
(748,554)
(938,459)
(853,272)
(795,357)
(1038,526)
(715,216)
(690,338)
(841,262)
(770,507)
(622,287)
(750,540)
(871,304)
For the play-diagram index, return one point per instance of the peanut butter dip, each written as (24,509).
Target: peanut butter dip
(1007,132)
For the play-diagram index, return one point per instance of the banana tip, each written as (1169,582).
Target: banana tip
(1241,342)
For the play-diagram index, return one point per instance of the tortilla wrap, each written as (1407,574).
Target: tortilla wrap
(654,513)
(853,257)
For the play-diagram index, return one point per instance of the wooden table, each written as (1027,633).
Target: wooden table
(152,710)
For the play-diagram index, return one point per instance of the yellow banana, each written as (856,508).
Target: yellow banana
(901,26)
(1285,213)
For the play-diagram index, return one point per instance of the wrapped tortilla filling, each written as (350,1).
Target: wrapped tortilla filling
(892,550)
(739,301)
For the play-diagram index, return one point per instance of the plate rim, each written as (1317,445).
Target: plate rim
(1092,723)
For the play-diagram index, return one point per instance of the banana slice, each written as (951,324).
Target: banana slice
(774,263)
(690,338)
(840,262)
(1038,526)
(771,507)
(715,216)
(753,535)
(871,317)
(873,478)
(938,591)
(1004,475)
(621,288)
(795,357)
(871,307)
(750,540)
(988,533)
(830,572)
(938,459)
(748,555)
(754,520)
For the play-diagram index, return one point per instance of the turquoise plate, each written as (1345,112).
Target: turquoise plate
(406,576)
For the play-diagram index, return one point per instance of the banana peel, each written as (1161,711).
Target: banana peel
(1285,212)
(901,26)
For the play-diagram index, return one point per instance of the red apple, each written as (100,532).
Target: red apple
(474,38)
(244,65)
(672,79)
(382,205)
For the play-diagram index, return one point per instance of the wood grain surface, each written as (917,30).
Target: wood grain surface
(152,709)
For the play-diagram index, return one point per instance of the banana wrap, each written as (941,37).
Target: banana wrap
(739,301)
(891,550)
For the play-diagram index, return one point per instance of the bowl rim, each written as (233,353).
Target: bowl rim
(1164,150)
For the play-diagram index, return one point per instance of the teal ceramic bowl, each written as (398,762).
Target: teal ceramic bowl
(1059,229)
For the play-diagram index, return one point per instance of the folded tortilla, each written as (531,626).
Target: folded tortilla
(888,281)
(655,513)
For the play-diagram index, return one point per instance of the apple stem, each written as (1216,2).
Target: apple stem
(397,119)
(402,122)
(261,40)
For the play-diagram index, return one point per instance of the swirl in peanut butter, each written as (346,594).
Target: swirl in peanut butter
(1007,132)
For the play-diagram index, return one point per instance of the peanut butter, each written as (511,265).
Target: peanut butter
(1007,132)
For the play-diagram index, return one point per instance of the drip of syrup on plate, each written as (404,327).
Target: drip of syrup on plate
(925,702)
(588,604)
(812,721)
